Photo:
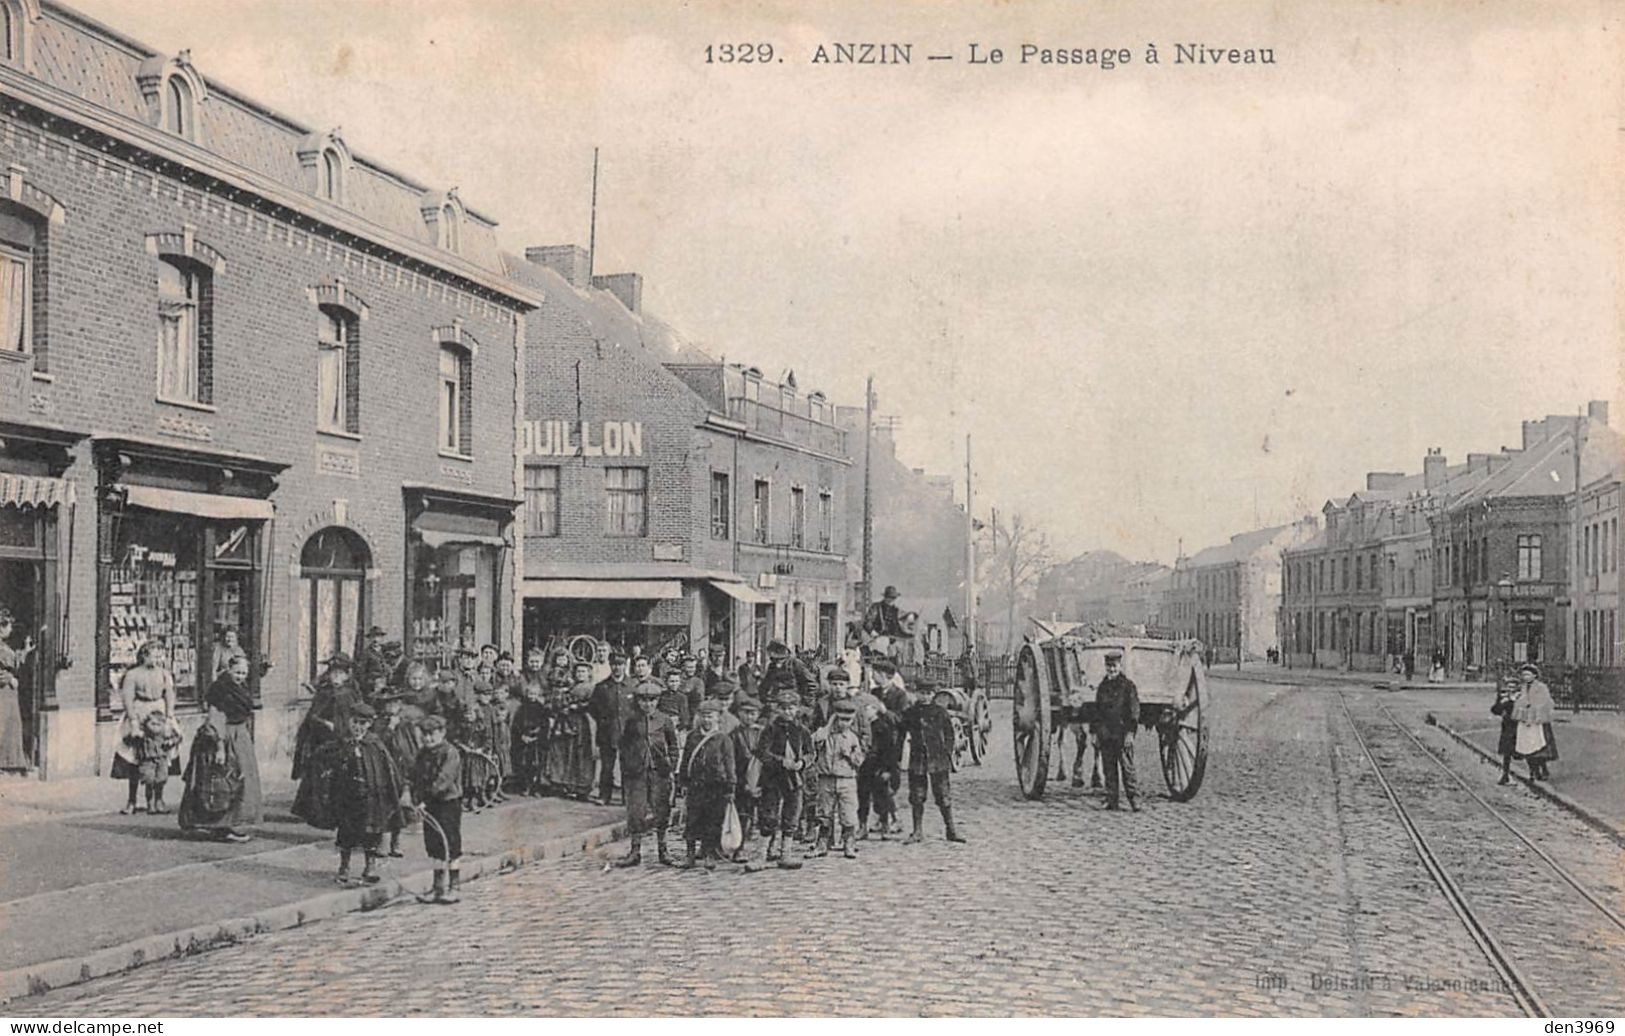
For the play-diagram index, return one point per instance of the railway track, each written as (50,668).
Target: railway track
(1556,941)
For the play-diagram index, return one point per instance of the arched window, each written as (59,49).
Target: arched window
(9,28)
(178,107)
(450,232)
(332,176)
(332,597)
(185,360)
(338,371)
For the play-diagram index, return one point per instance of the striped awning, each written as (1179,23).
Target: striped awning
(33,491)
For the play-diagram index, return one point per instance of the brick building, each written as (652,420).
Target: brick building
(628,474)
(222,331)
(1229,596)
(783,485)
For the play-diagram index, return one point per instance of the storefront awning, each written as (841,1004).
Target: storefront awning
(203,505)
(604,589)
(34,491)
(740,592)
(437,538)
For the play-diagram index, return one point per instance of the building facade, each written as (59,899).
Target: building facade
(1229,596)
(785,495)
(222,331)
(629,530)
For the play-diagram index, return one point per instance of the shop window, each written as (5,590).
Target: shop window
(456,408)
(1529,566)
(1528,635)
(178,582)
(185,352)
(338,371)
(826,521)
(626,498)
(332,597)
(542,501)
(760,509)
(455,603)
(798,517)
(720,509)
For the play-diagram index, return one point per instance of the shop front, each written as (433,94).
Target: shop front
(183,541)
(37,512)
(458,557)
(688,609)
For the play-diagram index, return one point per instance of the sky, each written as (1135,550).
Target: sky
(1168,302)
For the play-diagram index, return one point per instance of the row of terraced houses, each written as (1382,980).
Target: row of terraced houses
(255,384)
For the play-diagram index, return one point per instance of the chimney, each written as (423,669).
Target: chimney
(1498,461)
(1378,480)
(1534,433)
(1597,410)
(1433,469)
(628,287)
(568,261)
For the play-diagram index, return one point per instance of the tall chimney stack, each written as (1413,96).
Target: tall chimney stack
(1434,467)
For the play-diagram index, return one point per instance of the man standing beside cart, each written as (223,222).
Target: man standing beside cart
(1117,710)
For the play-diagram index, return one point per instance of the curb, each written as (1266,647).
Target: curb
(1550,794)
(34,979)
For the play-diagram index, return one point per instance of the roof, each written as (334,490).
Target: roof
(1548,468)
(1242,545)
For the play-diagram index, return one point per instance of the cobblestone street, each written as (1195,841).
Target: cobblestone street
(1286,886)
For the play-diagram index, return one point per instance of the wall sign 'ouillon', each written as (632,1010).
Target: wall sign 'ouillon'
(582,439)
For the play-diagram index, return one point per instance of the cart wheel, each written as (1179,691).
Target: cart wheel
(981,724)
(1182,739)
(1030,722)
(960,741)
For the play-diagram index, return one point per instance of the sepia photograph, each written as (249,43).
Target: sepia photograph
(811,509)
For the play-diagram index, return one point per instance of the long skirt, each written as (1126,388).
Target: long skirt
(571,756)
(222,797)
(1546,752)
(12,756)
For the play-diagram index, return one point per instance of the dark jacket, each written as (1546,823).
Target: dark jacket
(675,705)
(437,776)
(930,733)
(1508,743)
(780,733)
(357,786)
(1117,707)
(709,761)
(744,740)
(403,740)
(611,707)
(885,745)
(649,744)
(806,681)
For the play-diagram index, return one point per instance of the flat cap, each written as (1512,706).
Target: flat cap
(363,710)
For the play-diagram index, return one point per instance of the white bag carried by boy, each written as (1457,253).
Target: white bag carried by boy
(733,836)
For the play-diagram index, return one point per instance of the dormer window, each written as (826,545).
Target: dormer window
(332,175)
(10,42)
(17,19)
(178,108)
(326,161)
(443,214)
(173,90)
(450,233)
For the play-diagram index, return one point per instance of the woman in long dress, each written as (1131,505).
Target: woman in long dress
(145,689)
(12,755)
(1533,713)
(223,777)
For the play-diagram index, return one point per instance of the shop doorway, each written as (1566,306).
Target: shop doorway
(333,605)
(22,592)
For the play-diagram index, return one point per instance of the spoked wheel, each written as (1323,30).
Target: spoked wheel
(1030,720)
(981,725)
(1182,739)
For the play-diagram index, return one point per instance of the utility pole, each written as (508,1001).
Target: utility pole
(1577,580)
(868,486)
(970,552)
(592,229)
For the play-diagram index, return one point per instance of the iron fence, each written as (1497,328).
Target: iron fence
(1576,688)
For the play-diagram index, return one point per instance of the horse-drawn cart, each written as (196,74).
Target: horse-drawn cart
(1055,683)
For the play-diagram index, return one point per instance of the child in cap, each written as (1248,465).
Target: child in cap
(747,770)
(707,777)
(403,740)
(363,791)
(783,749)
(437,788)
(674,701)
(840,757)
(930,733)
(649,747)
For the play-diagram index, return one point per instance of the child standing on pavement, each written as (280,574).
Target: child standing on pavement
(155,756)
(403,740)
(437,787)
(880,776)
(707,776)
(783,748)
(363,791)
(747,771)
(840,756)
(930,733)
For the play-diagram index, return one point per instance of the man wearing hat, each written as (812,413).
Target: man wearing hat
(930,733)
(611,706)
(649,748)
(1117,711)
(373,669)
(840,756)
(883,618)
(783,748)
(781,661)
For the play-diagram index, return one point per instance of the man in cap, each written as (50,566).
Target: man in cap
(707,777)
(930,733)
(373,670)
(610,708)
(783,748)
(649,748)
(1117,710)
(780,661)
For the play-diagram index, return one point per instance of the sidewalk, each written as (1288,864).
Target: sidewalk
(1263,672)
(85,891)
(1590,768)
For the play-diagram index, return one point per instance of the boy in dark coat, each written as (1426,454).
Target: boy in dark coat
(363,790)
(649,748)
(610,709)
(530,732)
(930,733)
(747,770)
(437,787)
(674,700)
(707,777)
(784,748)
(880,776)
(401,737)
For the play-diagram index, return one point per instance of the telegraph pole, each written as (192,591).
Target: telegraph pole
(868,486)
(592,230)
(970,552)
